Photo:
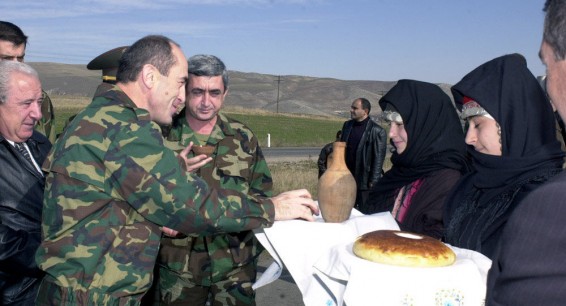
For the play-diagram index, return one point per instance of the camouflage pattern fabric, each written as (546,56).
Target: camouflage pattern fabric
(226,263)
(100,90)
(110,185)
(103,87)
(46,125)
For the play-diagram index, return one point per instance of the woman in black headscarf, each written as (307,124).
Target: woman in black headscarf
(514,149)
(428,160)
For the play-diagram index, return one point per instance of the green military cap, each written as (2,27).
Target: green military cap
(108,62)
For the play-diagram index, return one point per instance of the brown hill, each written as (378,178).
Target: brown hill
(285,94)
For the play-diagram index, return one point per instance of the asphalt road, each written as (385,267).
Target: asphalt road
(291,153)
(282,292)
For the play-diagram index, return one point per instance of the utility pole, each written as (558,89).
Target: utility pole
(278,82)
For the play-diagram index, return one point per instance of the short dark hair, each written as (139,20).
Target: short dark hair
(153,49)
(209,66)
(12,33)
(554,33)
(365,104)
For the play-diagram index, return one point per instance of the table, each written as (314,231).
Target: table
(319,257)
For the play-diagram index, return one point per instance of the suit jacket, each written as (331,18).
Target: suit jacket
(21,200)
(369,155)
(530,265)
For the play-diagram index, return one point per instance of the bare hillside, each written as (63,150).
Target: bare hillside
(297,94)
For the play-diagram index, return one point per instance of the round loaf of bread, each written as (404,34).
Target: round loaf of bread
(403,249)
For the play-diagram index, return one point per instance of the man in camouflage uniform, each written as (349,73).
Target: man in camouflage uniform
(113,188)
(13,44)
(220,266)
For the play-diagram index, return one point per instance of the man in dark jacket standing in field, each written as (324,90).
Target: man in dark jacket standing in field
(22,151)
(365,149)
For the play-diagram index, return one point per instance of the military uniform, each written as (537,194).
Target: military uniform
(227,263)
(108,62)
(46,125)
(111,184)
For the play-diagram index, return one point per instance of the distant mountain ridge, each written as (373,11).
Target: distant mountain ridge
(297,94)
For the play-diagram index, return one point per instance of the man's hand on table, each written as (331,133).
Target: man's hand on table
(294,204)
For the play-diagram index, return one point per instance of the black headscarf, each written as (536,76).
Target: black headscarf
(435,138)
(509,92)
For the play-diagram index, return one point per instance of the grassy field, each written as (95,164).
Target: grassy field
(291,130)
(285,130)
(295,175)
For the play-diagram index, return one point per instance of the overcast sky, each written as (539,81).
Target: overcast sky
(437,41)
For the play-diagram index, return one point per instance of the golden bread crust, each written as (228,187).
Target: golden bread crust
(403,249)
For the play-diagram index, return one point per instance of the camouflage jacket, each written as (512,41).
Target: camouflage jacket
(46,125)
(238,164)
(110,185)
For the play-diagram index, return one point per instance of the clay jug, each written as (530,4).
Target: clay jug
(337,187)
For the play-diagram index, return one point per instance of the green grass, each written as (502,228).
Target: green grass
(285,130)
(61,117)
(291,131)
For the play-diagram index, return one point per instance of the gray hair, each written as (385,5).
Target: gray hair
(7,69)
(554,33)
(208,65)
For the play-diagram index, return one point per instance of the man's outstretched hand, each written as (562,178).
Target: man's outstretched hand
(294,204)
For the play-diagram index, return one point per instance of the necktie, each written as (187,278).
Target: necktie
(22,149)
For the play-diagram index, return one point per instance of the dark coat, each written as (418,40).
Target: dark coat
(322,162)
(425,215)
(370,153)
(529,268)
(427,211)
(21,201)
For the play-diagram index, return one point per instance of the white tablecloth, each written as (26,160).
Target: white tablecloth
(319,257)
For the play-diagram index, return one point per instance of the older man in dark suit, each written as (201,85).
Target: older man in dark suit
(22,151)
(530,268)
